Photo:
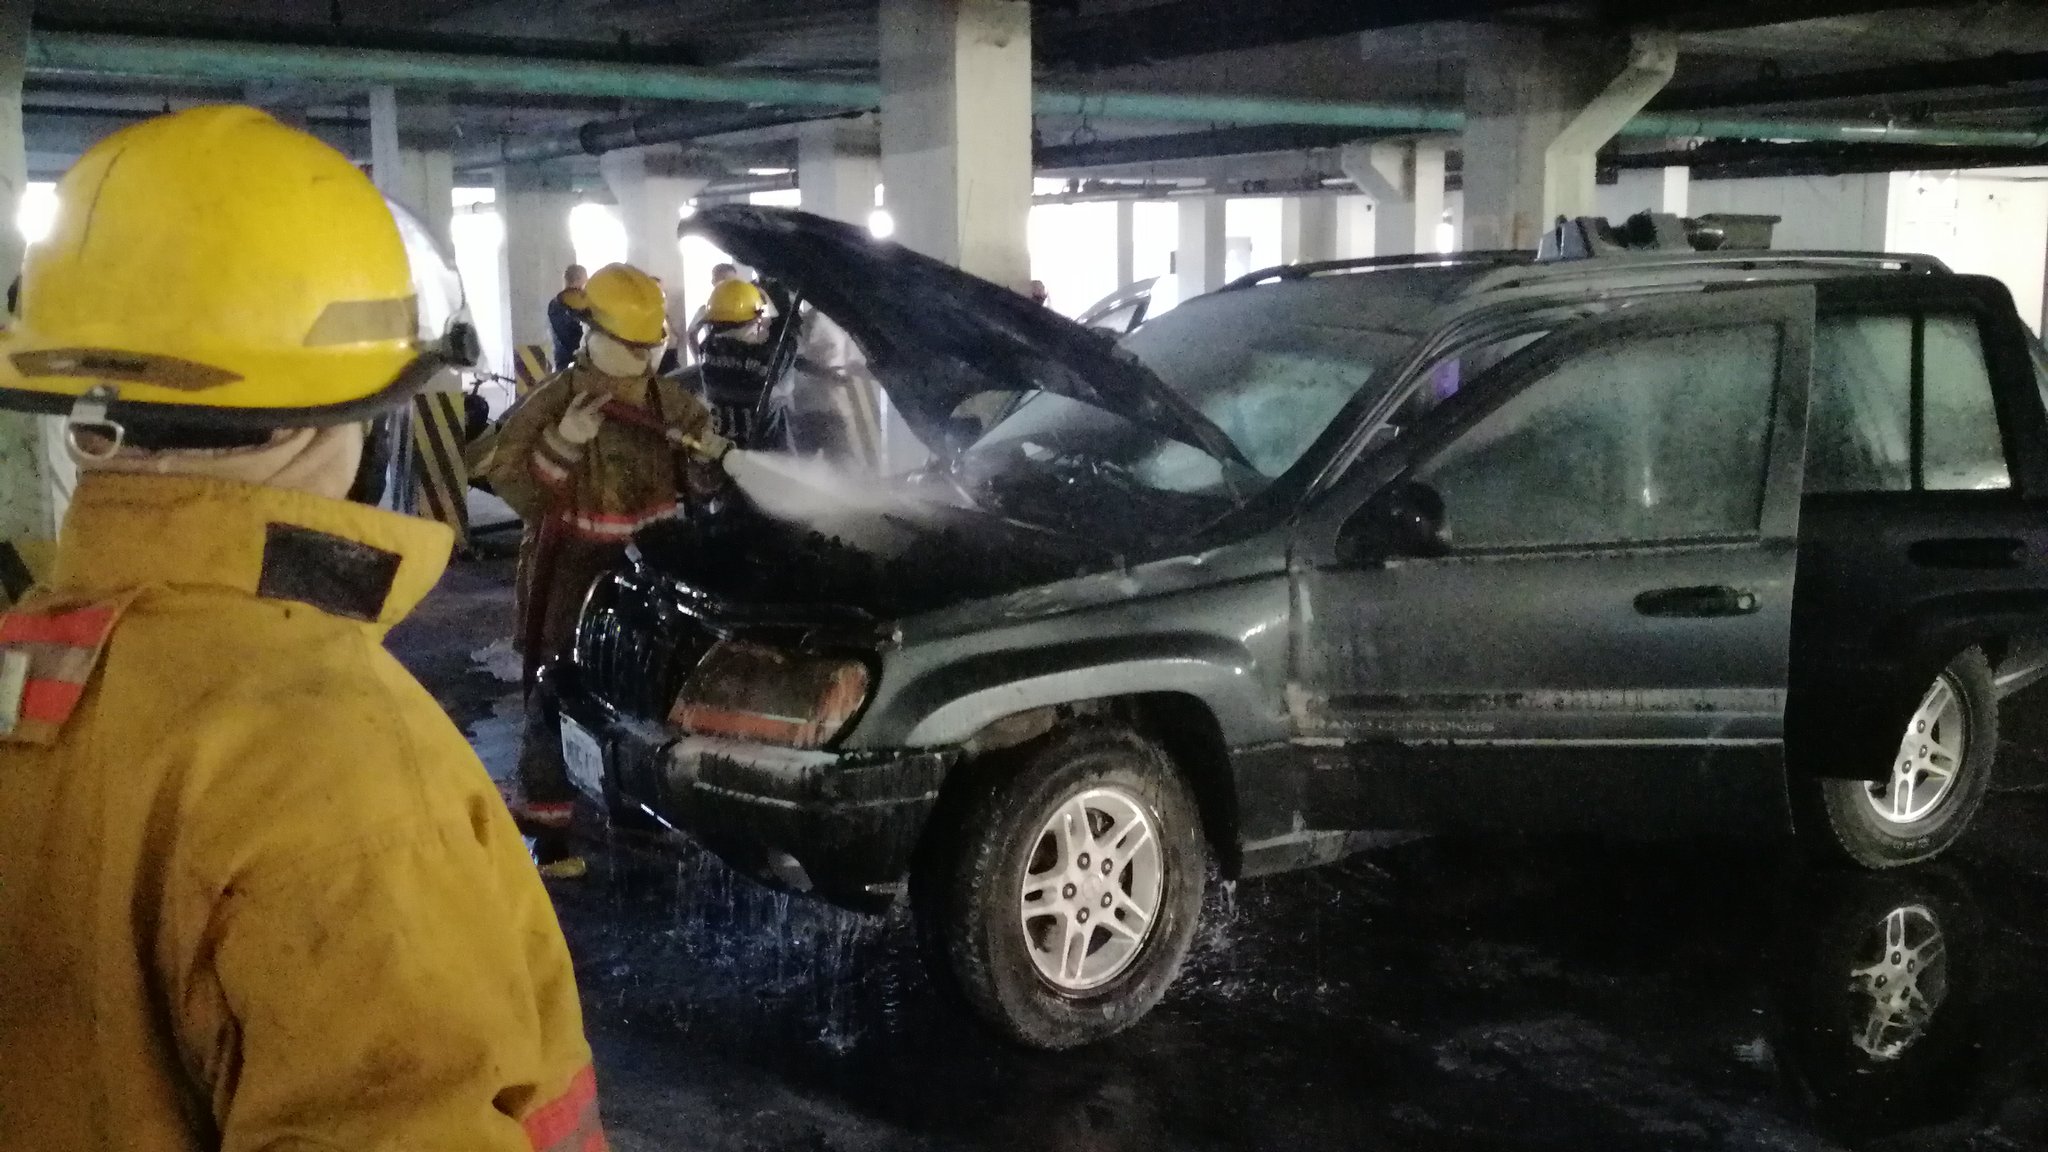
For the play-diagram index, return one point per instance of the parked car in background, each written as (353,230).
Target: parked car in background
(1649,544)
(1120,312)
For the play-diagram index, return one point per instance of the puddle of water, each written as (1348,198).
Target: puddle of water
(499,661)
(496,737)
(720,956)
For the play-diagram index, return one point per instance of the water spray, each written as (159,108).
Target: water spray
(859,510)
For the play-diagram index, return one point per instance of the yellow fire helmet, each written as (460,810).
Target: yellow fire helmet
(214,268)
(735,302)
(626,304)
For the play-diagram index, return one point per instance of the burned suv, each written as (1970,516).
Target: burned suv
(1651,544)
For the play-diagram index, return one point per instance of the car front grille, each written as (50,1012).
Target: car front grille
(636,642)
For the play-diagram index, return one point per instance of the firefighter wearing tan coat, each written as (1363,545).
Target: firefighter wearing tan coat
(593,455)
(255,892)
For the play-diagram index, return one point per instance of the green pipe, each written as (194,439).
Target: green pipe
(60,53)
(1244,110)
(233,62)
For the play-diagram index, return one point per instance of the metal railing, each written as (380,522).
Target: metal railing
(1286,272)
(1605,267)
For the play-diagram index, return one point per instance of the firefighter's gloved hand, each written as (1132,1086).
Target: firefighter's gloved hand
(583,418)
(707,445)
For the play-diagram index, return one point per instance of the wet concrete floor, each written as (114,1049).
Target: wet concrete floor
(1536,994)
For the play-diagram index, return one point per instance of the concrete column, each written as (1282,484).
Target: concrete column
(1672,190)
(412,158)
(1539,104)
(427,186)
(838,166)
(651,199)
(1199,260)
(1405,181)
(956,131)
(1126,243)
(1308,229)
(1355,224)
(35,477)
(537,248)
(384,161)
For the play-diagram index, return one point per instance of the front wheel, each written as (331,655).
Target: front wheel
(1937,778)
(1066,898)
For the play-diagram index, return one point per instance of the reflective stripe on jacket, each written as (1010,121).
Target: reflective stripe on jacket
(624,480)
(256,892)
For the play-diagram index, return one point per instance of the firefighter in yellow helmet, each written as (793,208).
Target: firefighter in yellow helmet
(737,368)
(255,889)
(593,455)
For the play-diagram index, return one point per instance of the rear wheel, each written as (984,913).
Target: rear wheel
(1064,903)
(1936,781)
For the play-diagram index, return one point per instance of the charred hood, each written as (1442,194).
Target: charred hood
(935,336)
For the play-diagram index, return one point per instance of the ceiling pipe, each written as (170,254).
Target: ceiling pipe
(668,126)
(66,53)
(1897,81)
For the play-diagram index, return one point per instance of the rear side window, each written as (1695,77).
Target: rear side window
(1961,447)
(1660,439)
(1901,403)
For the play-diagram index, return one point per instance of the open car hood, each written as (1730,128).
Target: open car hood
(935,336)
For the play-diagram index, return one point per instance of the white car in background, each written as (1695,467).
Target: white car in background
(1124,309)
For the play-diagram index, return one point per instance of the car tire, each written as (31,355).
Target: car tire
(1893,823)
(1002,899)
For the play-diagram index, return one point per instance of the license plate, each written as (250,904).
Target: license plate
(584,757)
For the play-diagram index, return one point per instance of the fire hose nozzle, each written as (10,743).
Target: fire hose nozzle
(707,446)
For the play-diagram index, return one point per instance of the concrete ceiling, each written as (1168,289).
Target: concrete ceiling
(1833,59)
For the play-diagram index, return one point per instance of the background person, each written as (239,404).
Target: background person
(565,315)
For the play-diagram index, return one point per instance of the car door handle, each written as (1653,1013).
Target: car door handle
(1968,552)
(1709,600)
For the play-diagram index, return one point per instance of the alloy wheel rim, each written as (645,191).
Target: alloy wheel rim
(1898,992)
(1929,760)
(1093,882)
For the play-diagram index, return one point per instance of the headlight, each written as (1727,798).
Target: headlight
(751,692)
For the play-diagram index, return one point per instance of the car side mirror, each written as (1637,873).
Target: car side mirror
(1406,520)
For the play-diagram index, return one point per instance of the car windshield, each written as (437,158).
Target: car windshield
(1271,367)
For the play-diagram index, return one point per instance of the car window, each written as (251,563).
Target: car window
(1961,447)
(1660,438)
(1861,432)
(1284,399)
(1448,377)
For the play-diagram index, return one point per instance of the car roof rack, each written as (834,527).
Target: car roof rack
(1286,272)
(1607,266)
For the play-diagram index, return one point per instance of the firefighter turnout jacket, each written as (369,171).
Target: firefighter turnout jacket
(256,892)
(626,479)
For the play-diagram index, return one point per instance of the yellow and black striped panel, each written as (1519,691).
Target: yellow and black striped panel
(441,475)
(533,368)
